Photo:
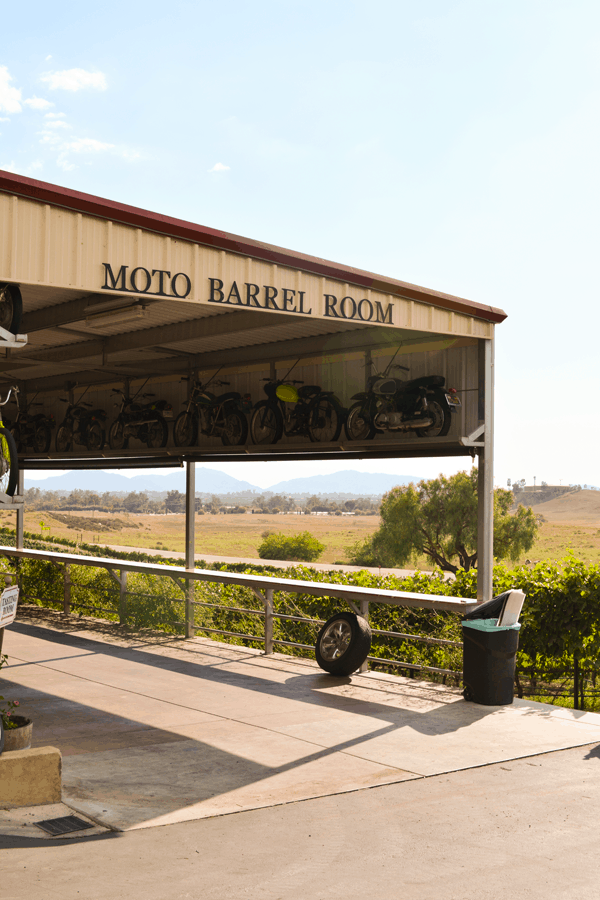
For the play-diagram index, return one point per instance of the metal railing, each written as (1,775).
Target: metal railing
(263,588)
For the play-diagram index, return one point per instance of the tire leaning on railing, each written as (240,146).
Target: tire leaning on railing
(343,643)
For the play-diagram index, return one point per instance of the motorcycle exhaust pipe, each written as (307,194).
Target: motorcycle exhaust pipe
(411,425)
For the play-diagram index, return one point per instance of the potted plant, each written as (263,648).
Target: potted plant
(16,730)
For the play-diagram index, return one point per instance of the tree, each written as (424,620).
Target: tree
(175,502)
(135,502)
(438,518)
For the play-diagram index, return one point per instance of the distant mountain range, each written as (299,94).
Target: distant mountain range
(344,482)
(212,481)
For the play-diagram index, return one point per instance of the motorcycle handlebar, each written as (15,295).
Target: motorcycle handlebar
(16,391)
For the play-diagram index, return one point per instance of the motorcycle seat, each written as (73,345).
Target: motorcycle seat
(429,381)
(309,390)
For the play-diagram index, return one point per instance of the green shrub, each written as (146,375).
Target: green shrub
(302,547)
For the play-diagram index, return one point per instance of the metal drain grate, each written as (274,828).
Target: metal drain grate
(63,825)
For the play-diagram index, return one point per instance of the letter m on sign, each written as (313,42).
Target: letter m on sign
(383,315)
(114,281)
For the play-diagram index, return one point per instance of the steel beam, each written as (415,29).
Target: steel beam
(356,337)
(209,326)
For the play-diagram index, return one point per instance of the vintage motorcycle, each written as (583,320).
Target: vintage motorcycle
(9,457)
(288,410)
(81,425)
(144,421)
(422,405)
(32,429)
(222,416)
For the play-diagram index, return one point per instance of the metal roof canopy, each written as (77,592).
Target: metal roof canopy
(114,295)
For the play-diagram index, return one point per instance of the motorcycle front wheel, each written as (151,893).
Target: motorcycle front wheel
(359,425)
(64,439)
(185,430)
(325,420)
(9,462)
(116,436)
(95,437)
(41,438)
(16,433)
(11,307)
(266,424)
(441,416)
(235,429)
(157,433)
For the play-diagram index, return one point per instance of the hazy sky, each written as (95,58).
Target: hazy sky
(450,144)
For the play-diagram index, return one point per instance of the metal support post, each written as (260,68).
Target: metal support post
(67,590)
(268,621)
(364,611)
(190,543)
(20,535)
(122,597)
(485,478)
(368,368)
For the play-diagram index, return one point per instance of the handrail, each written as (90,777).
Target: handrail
(346,592)
(263,587)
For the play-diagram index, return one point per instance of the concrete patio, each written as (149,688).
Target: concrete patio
(156,730)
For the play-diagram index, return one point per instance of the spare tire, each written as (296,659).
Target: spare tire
(343,643)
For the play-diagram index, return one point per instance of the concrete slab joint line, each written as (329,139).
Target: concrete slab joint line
(160,732)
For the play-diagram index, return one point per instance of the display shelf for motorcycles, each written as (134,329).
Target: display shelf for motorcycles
(177,456)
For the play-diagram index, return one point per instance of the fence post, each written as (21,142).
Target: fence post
(67,590)
(123,597)
(364,611)
(269,621)
(20,530)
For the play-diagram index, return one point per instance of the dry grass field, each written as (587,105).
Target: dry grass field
(226,535)
(571,523)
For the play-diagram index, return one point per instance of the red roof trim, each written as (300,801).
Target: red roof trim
(221,240)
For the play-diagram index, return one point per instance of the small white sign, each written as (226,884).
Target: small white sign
(8,605)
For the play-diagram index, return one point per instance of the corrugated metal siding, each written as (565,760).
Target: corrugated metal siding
(42,244)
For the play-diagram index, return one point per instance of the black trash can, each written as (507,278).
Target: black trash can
(489,652)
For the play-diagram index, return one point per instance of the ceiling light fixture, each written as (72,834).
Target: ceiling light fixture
(115,316)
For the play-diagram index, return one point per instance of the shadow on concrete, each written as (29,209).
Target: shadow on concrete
(305,688)
(147,772)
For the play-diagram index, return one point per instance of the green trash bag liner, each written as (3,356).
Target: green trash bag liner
(489,625)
